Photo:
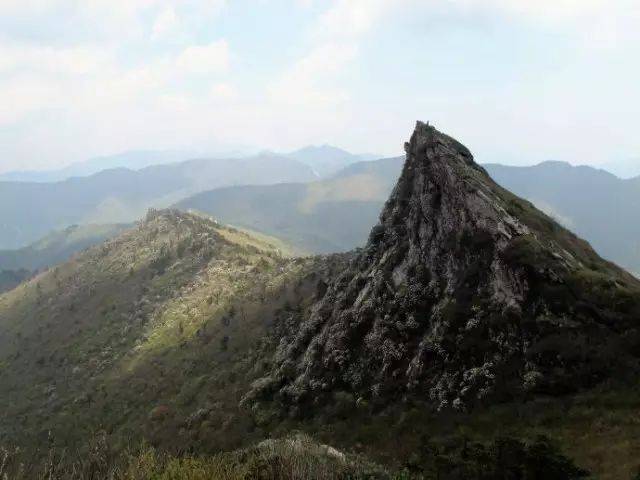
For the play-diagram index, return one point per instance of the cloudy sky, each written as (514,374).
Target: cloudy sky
(518,81)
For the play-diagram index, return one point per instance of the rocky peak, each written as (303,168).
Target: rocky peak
(441,215)
(463,294)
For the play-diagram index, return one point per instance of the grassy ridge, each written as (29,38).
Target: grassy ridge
(140,334)
(157,335)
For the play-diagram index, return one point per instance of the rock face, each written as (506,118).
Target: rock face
(463,294)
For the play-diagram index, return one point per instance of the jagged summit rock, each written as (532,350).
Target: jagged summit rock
(464,293)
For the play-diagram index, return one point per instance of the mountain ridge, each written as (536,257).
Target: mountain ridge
(466,308)
(327,160)
(121,195)
(594,203)
(132,160)
(309,216)
(464,294)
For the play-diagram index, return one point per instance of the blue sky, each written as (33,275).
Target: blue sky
(518,81)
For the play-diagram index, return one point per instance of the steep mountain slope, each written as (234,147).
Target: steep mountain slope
(594,203)
(597,205)
(464,295)
(467,316)
(58,246)
(331,215)
(29,211)
(142,334)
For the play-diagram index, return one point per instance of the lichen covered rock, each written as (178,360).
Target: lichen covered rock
(464,293)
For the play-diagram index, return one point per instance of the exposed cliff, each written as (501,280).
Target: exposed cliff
(463,294)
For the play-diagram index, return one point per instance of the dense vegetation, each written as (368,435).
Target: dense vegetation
(472,337)
(298,457)
(141,334)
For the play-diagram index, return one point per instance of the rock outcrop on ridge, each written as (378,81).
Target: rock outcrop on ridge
(463,294)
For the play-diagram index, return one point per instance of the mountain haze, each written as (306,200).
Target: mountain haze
(58,246)
(133,160)
(468,317)
(30,210)
(326,216)
(327,160)
(594,203)
(9,279)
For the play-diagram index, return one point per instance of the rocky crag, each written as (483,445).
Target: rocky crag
(464,294)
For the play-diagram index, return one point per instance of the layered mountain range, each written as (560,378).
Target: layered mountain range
(466,304)
(122,195)
(306,211)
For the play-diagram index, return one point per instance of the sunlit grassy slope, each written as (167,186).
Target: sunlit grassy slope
(157,334)
(152,334)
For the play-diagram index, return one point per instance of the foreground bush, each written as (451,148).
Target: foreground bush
(296,457)
(300,458)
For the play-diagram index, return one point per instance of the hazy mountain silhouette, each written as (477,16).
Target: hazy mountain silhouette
(594,203)
(326,216)
(29,210)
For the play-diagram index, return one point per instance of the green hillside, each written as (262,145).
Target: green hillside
(138,334)
(471,337)
(157,335)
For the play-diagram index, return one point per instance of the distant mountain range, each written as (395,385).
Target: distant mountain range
(9,279)
(30,210)
(133,160)
(324,160)
(597,205)
(326,216)
(58,246)
(468,324)
(323,216)
(103,191)
(299,198)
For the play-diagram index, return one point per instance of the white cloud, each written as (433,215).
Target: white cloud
(165,24)
(151,77)
(312,80)
(21,96)
(67,60)
(203,59)
(223,91)
(597,23)
(353,18)
(315,79)
(547,10)
(88,80)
